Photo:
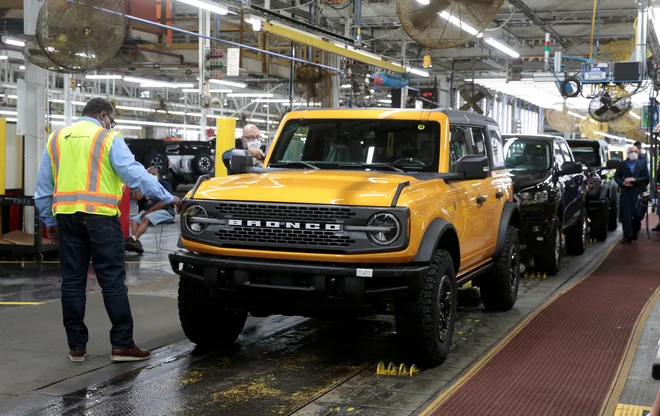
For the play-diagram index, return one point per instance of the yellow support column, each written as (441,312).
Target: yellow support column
(225,138)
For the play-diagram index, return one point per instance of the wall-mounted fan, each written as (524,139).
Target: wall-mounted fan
(562,119)
(474,96)
(628,122)
(36,56)
(446,23)
(590,128)
(81,35)
(312,83)
(609,106)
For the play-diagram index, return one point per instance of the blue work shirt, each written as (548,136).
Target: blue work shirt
(132,173)
(631,164)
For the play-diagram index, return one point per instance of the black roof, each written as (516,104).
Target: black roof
(588,142)
(541,137)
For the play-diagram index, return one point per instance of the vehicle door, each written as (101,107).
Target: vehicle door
(468,215)
(496,187)
(573,185)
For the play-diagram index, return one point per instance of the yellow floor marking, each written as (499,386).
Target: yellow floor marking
(631,410)
(22,303)
(516,329)
(619,382)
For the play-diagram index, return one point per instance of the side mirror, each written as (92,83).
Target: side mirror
(570,168)
(473,167)
(612,164)
(240,160)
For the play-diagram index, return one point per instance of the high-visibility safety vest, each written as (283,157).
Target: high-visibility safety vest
(84,178)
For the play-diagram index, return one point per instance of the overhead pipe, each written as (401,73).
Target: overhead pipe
(181,58)
(641,35)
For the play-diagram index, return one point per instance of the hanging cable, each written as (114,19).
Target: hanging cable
(342,7)
(513,11)
(593,28)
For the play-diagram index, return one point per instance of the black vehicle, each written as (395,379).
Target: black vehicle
(189,160)
(551,189)
(603,192)
(151,153)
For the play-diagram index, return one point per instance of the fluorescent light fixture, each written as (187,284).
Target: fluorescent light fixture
(424,2)
(271,100)
(22,67)
(207,5)
(345,86)
(369,54)
(3,57)
(8,113)
(72,102)
(459,23)
(502,47)
(385,101)
(103,76)
(15,42)
(250,95)
(190,90)
(416,71)
(139,80)
(11,120)
(146,110)
(13,86)
(228,83)
(220,91)
(635,115)
(577,115)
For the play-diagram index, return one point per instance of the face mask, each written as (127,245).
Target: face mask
(633,156)
(254,144)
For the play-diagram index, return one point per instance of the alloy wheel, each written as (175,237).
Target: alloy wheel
(158,163)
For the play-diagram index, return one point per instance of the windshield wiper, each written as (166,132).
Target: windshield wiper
(299,163)
(373,165)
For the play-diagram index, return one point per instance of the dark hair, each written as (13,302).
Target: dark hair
(637,144)
(96,106)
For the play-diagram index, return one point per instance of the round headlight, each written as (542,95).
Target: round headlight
(188,218)
(389,231)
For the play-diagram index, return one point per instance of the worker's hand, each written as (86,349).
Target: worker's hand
(52,235)
(176,203)
(257,153)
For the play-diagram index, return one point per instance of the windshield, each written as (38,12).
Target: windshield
(586,155)
(406,145)
(527,155)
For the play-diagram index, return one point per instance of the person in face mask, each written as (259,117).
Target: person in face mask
(251,141)
(632,176)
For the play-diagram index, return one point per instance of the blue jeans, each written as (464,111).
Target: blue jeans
(84,236)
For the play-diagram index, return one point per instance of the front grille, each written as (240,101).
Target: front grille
(284,212)
(289,237)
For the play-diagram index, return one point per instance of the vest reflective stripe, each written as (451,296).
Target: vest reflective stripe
(94,178)
(82,197)
(55,156)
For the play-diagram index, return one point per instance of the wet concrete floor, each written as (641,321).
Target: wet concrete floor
(280,365)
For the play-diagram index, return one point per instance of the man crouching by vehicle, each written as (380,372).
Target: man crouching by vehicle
(151,211)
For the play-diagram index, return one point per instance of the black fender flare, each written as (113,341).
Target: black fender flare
(510,216)
(431,239)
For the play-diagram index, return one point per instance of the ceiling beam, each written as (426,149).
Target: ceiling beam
(529,13)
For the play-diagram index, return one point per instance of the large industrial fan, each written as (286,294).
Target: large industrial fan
(312,83)
(36,56)
(613,104)
(563,120)
(80,35)
(591,128)
(628,122)
(477,98)
(446,23)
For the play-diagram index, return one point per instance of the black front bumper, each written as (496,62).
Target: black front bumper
(249,278)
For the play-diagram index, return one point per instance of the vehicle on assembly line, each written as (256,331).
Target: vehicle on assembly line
(602,190)
(355,212)
(151,153)
(551,189)
(189,160)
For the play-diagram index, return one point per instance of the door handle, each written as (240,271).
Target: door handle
(481,200)
(499,194)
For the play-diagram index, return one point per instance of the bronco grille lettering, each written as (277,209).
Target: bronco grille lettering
(285,224)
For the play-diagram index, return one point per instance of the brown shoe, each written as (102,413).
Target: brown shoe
(129,354)
(77,356)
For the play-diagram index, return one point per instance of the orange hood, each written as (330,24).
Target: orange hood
(359,188)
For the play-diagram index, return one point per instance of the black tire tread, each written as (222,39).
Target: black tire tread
(546,260)
(205,321)
(575,246)
(415,324)
(601,225)
(495,289)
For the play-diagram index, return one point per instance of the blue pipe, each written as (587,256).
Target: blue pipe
(227,42)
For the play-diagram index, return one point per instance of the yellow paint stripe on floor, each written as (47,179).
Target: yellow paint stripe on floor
(21,303)
(631,410)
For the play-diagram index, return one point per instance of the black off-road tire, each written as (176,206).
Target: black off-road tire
(157,160)
(202,164)
(576,237)
(499,288)
(600,224)
(613,219)
(549,261)
(204,320)
(418,321)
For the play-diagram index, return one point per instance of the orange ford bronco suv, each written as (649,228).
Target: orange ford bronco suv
(355,212)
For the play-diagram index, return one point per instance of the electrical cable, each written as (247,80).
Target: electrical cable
(342,7)
(593,28)
(513,11)
(292,7)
